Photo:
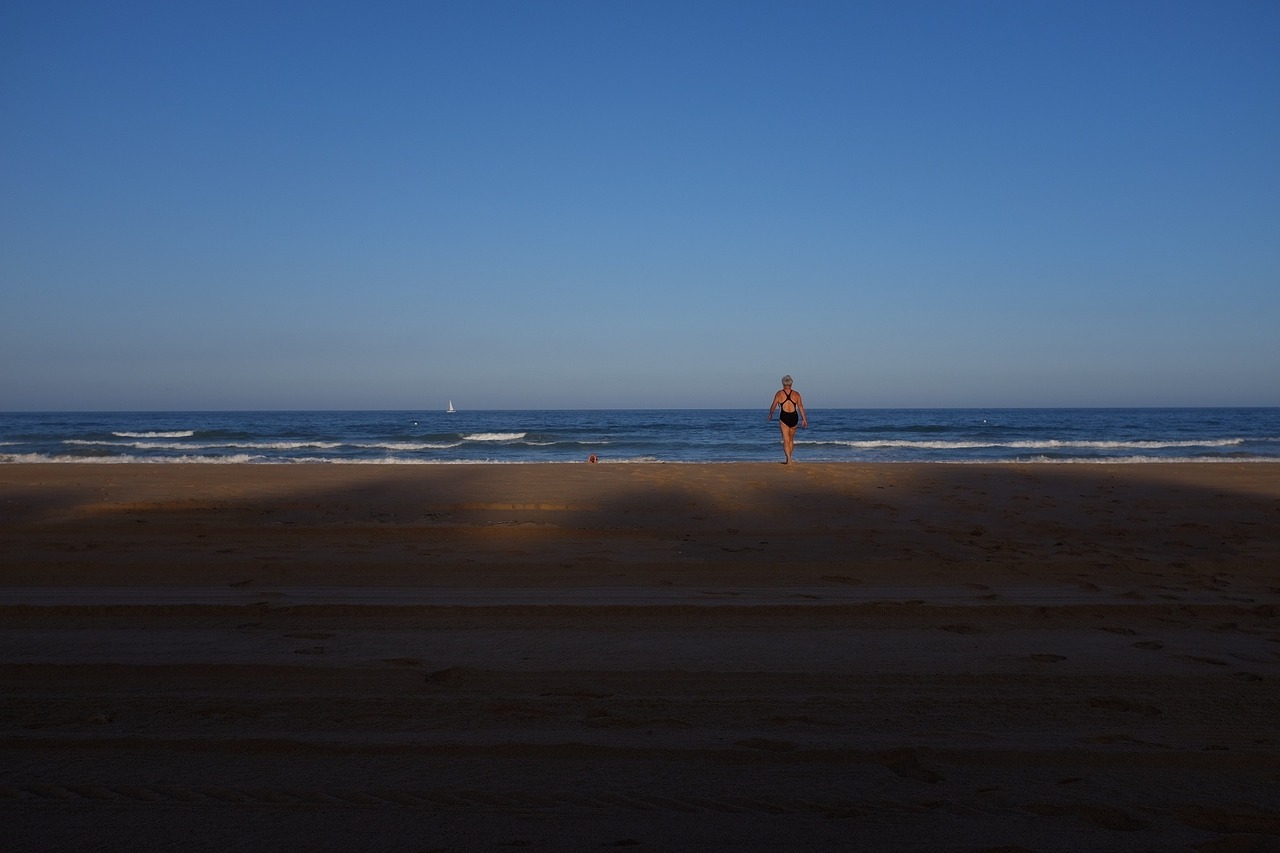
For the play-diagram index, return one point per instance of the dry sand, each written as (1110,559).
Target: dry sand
(650,657)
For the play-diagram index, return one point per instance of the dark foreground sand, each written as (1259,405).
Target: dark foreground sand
(648,657)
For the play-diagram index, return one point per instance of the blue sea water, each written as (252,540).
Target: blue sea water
(667,435)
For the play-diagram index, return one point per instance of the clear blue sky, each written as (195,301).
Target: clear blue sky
(272,205)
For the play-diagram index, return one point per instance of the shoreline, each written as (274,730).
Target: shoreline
(695,436)
(1136,460)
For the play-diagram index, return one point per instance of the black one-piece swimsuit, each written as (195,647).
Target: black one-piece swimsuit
(790,418)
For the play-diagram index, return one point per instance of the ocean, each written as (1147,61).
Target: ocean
(651,435)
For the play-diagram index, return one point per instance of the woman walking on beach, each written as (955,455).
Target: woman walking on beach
(791,413)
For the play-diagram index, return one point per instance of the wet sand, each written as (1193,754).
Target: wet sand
(650,657)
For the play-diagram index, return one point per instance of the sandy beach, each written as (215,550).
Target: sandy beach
(652,657)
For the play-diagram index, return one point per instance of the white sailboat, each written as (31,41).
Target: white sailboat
(451,410)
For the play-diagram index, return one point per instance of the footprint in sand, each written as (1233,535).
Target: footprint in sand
(1203,659)
(1127,739)
(1153,645)
(1115,703)
(1106,817)
(905,763)
(766,744)
(1237,820)
(1047,658)
(453,676)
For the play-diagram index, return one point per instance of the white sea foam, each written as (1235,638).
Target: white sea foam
(1154,460)
(177,433)
(126,459)
(495,436)
(410,445)
(268,445)
(1050,444)
(210,445)
(401,461)
(251,459)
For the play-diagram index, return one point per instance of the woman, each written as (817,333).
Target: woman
(791,413)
